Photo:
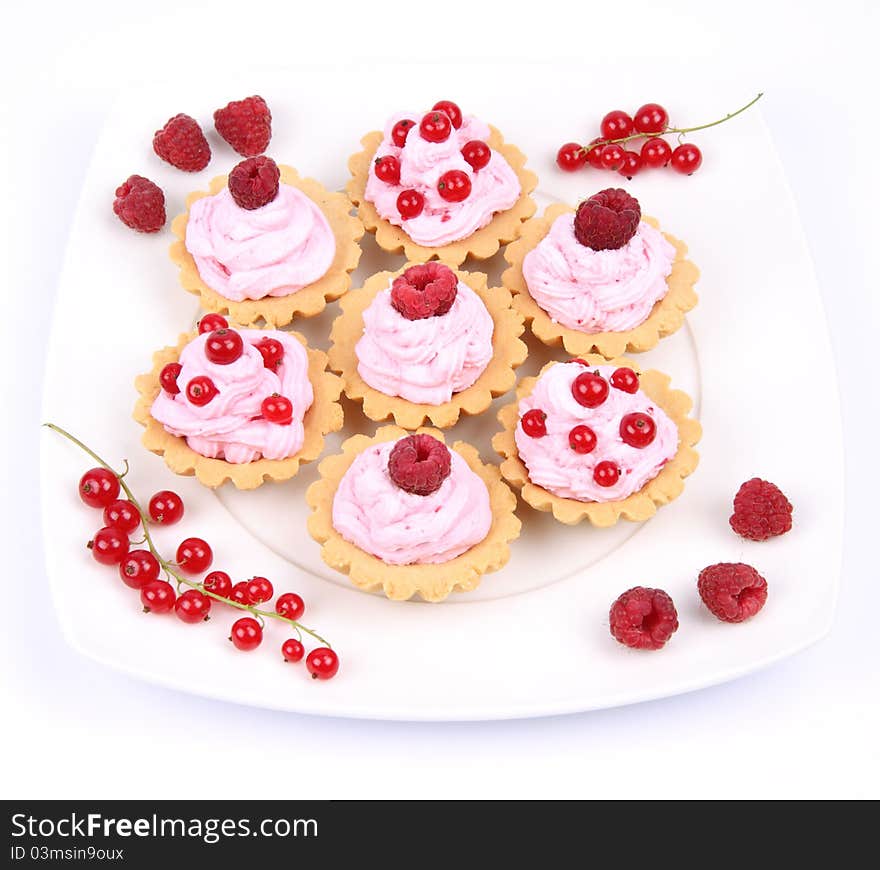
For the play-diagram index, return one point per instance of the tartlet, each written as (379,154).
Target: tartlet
(307,301)
(323,416)
(666,316)
(483,242)
(431,582)
(507,353)
(642,504)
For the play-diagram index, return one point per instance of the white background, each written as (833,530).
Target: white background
(806,727)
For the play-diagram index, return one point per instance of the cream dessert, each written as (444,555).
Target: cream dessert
(412,501)
(435,176)
(607,290)
(590,433)
(273,250)
(426,337)
(237,395)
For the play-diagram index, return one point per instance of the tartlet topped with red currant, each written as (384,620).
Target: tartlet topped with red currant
(404,513)
(441,185)
(426,342)
(601,277)
(598,440)
(244,405)
(265,245)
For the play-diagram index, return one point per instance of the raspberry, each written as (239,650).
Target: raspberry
(140,204)
(182,143)
(760,511)
(607,220)
(254,182)
(424,291)
(246,125)
(643,618)
(732,591)
(419,464)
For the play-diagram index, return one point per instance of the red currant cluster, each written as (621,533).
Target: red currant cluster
(590,390)
(435,126)
(223,347)
(607,151)
(140,569)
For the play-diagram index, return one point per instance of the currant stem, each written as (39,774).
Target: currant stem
(679,130)
(168,566)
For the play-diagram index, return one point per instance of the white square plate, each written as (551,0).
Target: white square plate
(533,639)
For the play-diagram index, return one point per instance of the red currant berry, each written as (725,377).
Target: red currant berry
(616,125)
(589,389)
(109,546)
(594,155)
(239,593)
(452,111)
(533,423)
(224,347)
(651,118)
(612,157)
(637,429)
(582,439)
(322,663)
(277,409)
(388,169)
(98,487)
(571,157)
(165,508)
(168,378)
(454,186)
(686,159)
(247,634)
(625,379)
(158,597)
(122,515)
(435,127)
(476,154)
(632,163)
(200,390)
(400,131)
(292,650)
(194,556)
(579,361)
(606,473)
(410,204)
(138,568)
(192,607)
(272,352)
(290,605)
(212,322)
(656,153)
(218,582)
(259,589)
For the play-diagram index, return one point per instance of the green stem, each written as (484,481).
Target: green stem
(167,566)
(679,130)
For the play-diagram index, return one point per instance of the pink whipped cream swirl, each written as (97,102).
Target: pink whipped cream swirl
(230,426)
(494,188)
(425,361)
(373,513)
(598,291)
(554,465)
(273,250)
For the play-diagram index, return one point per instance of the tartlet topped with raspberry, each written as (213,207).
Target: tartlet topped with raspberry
(601,277)
(426,343)
(441,185)
(265,245)
(244,405)
(598,440)
(405,513)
